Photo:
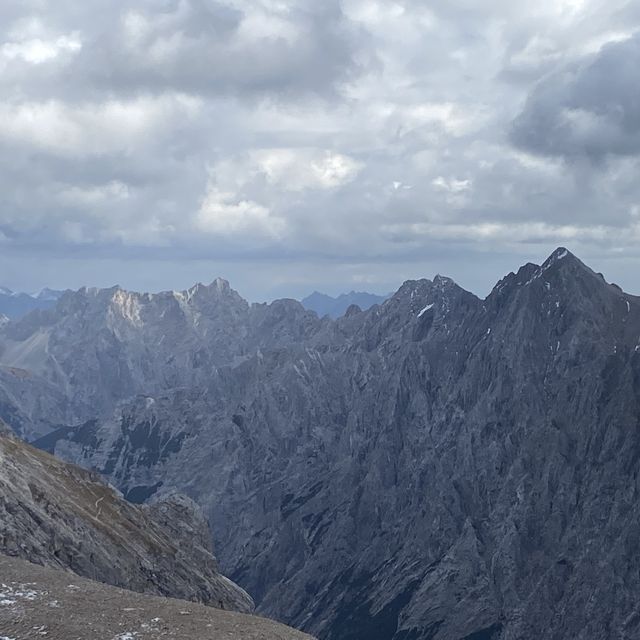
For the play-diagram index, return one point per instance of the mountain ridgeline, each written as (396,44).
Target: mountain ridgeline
(16,305)
(438,467)
(325,305)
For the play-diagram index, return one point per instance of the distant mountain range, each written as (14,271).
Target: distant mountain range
(15,305)
(325,305)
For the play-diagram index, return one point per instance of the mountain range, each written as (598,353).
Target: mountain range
(437,467)
(325,305)
(15,305)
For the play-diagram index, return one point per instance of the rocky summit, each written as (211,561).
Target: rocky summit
(438,467)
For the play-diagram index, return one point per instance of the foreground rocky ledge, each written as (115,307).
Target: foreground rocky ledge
(57,605)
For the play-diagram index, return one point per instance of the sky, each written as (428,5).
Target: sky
(298,145)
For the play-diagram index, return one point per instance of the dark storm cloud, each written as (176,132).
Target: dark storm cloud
(589,109)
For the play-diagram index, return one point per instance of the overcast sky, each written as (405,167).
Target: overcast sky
(292,145)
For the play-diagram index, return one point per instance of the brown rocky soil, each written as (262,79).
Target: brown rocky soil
(49,604)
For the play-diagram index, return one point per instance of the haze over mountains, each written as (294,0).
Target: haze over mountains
(437,467)
(325,305)
(15,305)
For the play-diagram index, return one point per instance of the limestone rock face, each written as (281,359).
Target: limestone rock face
(437,467)
(56,514)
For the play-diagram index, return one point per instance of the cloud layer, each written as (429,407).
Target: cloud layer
(367,140)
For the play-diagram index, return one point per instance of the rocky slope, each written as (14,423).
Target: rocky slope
(38,602)
(438,467)
(57,514)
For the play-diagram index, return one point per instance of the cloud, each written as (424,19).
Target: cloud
(225,214)
(87,129)
(299,169)
(346,134)
(189,46)
(588,109)
(37,51)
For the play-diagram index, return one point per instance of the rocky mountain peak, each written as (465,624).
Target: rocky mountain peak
(221,285)
(352,310)
(443,282)
(562,275)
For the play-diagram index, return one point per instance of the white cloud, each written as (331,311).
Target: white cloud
(37,51)
(227,214)
(298,169)
(451,184)
(87,129)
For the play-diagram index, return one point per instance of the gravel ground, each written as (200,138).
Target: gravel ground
(47,604)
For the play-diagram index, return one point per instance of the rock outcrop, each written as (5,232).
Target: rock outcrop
(56,514)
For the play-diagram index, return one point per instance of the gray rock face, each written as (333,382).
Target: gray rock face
(438,467)
(56,514)
(97,347)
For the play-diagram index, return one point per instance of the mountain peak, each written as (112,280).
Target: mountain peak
(560,254)
(443,282)
(220,284)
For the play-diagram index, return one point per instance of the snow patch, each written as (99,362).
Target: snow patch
(10,594)
(429,306)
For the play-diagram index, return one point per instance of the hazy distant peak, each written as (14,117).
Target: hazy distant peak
(336,307)
(49,294)
(14,305)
